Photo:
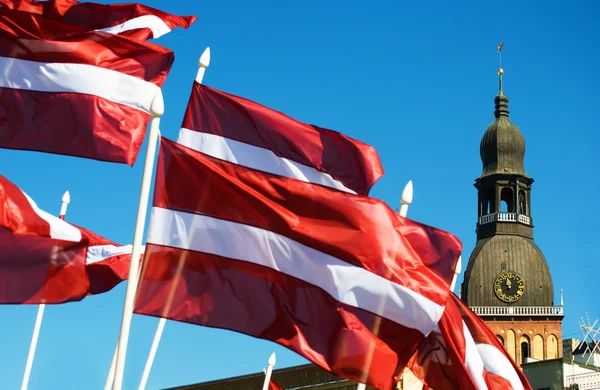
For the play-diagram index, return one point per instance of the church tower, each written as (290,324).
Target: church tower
(507,281)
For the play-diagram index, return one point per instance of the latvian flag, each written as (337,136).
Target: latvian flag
(463,353)
(44,259)
(132,20)
(66,90)
(259,226)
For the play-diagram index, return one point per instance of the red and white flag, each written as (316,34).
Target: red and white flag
(107,263)
(42,258)
(307,266)
(241,131)
(462,352)
(87,95)
(132,20)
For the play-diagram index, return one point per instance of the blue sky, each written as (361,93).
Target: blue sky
(414,79)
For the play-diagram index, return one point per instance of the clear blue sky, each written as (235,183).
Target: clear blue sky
(414,79)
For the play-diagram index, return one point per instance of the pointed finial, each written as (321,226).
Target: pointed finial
(272,360)
(66,197)
(500,70)
(406,198)
(407,193)
(204,61)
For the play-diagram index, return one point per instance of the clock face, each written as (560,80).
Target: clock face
(509,287)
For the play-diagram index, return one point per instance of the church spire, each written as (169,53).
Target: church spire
(500,70)
(501,100)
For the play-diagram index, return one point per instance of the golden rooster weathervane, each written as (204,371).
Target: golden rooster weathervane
(500,70)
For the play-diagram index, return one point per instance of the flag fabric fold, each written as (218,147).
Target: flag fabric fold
(133,20)
(44,259)
(107,263)
(462,352)
(307,266)
(86,95)
(241,131)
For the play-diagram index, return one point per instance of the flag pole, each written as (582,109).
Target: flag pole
(456,273)
(203,63)
(270,365)
(406,199)
(157,109)
(66,199)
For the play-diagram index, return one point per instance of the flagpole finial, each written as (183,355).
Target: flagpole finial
(204,61)
(407,193)
(272,360)
(157,107)
(562,302)
(66,197)
(500,70)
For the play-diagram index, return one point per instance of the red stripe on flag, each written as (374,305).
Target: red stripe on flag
(36,270)
(37,38)
(217,292)
(68,124)
(464,353)
(359,230)
(332,276)
(104,275)
(58,95)
(35,267)
(93,16)
(351,162)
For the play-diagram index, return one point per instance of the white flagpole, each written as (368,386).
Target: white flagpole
(157,109)
(456,273)
(66,199)
(270,365)
(203,63)
(406,199)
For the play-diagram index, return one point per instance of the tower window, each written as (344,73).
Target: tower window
(503,266)
(490,203)
(524,351)
(507,204)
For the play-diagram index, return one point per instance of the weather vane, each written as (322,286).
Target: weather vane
(500,70)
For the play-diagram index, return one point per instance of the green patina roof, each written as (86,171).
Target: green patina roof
(502,147)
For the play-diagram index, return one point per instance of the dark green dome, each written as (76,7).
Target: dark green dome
(502,147)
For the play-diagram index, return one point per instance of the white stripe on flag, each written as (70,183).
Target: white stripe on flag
(108,84)
(345,282)
(59,229)
(495,362)
(255,158)
(473,361)
(98,253)
(153,22)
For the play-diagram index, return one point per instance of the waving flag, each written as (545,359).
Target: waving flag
(238,130)
(462,352)
(107,263)
(309,267)
(42,258)
(87,95)
(133,20)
